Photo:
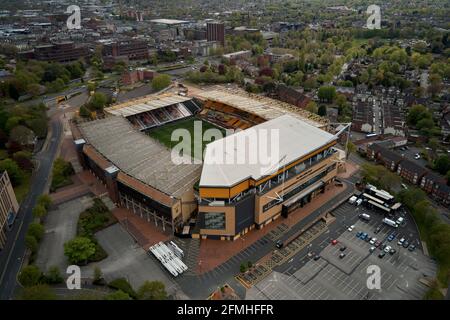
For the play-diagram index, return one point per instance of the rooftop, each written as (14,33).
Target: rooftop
(169,21)
(264,107)
(145,104)
(296,139)
(139,156)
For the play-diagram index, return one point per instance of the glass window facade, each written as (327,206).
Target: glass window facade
(214,220)
(299,188)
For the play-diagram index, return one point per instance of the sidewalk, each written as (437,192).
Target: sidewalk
(214,252)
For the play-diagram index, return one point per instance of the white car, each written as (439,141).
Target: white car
(417,156)
(373,240)
(400,242)
(350,229)
(387,249)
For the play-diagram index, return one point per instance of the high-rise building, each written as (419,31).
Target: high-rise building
(215,31)
(8,206)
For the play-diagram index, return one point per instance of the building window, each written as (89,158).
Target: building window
(215,220)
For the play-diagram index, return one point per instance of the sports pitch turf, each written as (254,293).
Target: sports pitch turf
(164,134)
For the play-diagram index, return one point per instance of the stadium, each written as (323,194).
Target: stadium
(130,151)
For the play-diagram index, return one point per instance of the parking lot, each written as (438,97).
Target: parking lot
(330,277)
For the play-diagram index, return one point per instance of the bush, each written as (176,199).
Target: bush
(31,243)
(98,277)
(152,290)
(53,276)
(36,230)
(30,276)
(118,295)
(243,268)
(62,170)
(38,292)
(94,219)
(123,285)
(160,82)
(45,201)
(39,211)
(79,250)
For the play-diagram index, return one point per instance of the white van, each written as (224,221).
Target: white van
(365,216)
(390,222)
(352,200)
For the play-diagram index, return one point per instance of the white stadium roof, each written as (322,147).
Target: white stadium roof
(296,138)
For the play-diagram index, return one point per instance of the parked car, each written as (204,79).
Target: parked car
(400,220)
(390,238)
(405,244)
(411,248)
(367,239)
(279,244)
(358,234)
(350,229)
(372,249)
(377,243)
(392,251)
(373,240)
(316,257)
(342,248)
(382,254)
(383,246)
(334,242)
(342,255)
(387,249)
(400,242)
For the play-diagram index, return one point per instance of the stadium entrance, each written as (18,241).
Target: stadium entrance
(302,199)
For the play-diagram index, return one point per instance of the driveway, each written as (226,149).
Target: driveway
(60,227)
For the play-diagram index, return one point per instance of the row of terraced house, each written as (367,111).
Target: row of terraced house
(432,183)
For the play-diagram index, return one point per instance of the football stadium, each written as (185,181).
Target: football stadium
(130,152)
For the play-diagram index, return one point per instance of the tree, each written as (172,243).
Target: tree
(30,276)
(53,276)
(36,230)
(160,82)
(442,164)
(98,101)
(98,276)
(31,243)
(417,113)
(22,135)
(322,110)
(45,200)
(243,267)
(39,211)
(79,250)
(435,86)
(123,285)
(351,148)
(312,107)
(84,112)
(152,290)
(14,172)
(118,295)
(327,93)
(38,292)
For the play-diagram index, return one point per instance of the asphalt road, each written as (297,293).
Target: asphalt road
(12,255)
